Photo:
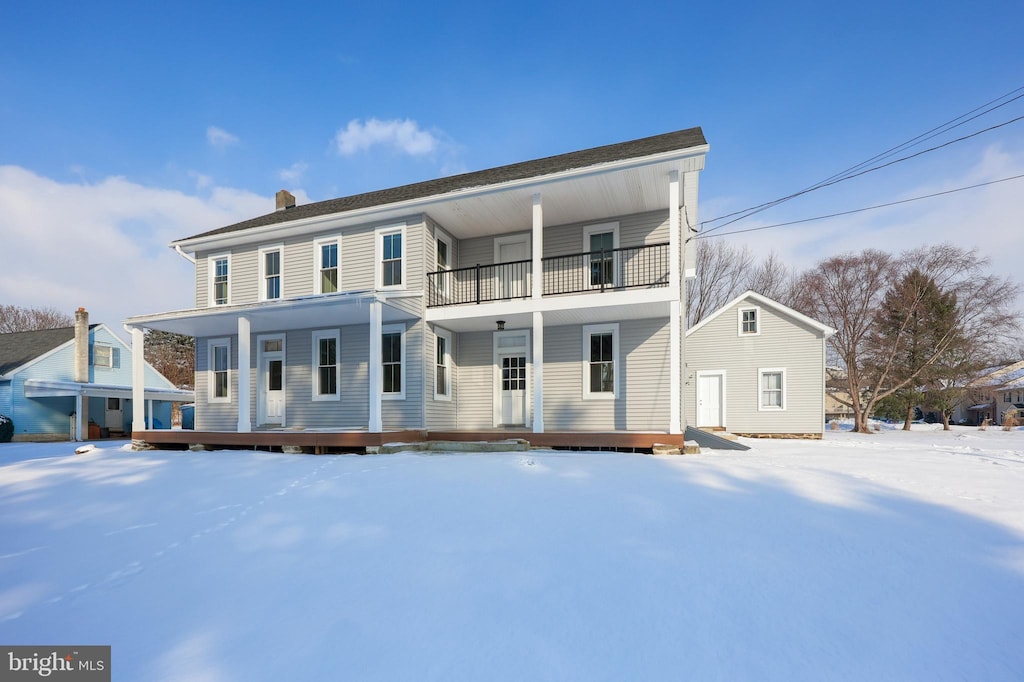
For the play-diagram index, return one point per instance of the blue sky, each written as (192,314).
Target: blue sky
(124,126)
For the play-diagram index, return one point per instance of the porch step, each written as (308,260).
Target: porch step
(511,445)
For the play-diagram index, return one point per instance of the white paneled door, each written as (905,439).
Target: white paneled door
(710,393)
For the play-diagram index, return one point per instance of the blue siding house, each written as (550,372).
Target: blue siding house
(62,384)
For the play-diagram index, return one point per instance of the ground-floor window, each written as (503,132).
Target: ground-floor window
(393,369)
(219,354)
(326,364)
(600,361)
(772,383)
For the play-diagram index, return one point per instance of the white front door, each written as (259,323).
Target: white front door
(512,279)
(710,392)
(115,414)
(513,390)
(270,401)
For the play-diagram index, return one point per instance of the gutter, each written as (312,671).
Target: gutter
(190,259)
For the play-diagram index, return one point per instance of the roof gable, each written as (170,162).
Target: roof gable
(648,146)
(17,349)
(785,311)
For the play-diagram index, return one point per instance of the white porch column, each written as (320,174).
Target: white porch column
(244,375)
(538,372)
(376,384)
(675,364)
(538,251)
(675,283)
(138,379)
(78,416)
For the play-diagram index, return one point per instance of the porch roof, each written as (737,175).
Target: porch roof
(50,388)
(334,310)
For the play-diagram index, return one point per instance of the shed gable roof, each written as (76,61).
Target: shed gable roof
(648,146)
(753,297)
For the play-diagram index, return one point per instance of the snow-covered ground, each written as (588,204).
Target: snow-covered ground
(896,556)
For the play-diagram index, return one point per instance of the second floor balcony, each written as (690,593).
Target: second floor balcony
(632,267)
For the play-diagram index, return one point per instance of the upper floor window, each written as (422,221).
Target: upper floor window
(1006,397)
(599,243)
(749,321)
(270,273)
(219,271)
(391,257)
(600,360)
(393,369)
(772,388)
(328,270)
(106,356)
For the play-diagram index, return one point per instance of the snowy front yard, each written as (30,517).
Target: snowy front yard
(892,556)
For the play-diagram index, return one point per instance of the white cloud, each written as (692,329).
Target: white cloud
(404,136)
(293,173)
(220,138)
(103,245)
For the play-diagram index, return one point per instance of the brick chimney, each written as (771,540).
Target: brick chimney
(285,200)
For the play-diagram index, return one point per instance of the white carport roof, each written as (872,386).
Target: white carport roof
(47,388)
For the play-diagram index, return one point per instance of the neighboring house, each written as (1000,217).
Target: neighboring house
(755,367)
(542,297)
(838,401)
(995,391)
(54,383)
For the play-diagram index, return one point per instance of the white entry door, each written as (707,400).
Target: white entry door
(512,279)
(115,414)
(271,382)
(710,394)
(513,390)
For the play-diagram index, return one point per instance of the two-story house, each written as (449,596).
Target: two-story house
(542,299)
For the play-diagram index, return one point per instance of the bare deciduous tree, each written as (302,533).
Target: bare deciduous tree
(173,355)
(774,279)
(722,274)
(17,319)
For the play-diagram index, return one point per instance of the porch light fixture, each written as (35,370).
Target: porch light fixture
(501,325)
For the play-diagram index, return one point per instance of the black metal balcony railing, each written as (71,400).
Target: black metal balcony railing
(612,270)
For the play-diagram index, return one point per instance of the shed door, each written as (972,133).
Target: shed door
(710,389)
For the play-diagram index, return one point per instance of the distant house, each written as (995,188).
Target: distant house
(992,394)
(757,368)
(58,384)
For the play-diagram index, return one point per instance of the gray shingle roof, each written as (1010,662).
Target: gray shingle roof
(17,348)
(680,139)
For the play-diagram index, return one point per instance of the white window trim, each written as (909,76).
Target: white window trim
(447,336)
(378,266)
(263,251)
(760,376)
(601,228)
(588,331)
(391,329)
(95,356)
(315,365)
(211,263)
(317,280)
(210,370)
(739,320)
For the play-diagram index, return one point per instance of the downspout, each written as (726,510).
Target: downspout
(190,259)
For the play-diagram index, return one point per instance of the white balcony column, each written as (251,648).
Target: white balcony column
(538,249)
(538,372)
(675,232)
(138,379)
(675,364)
(244,375)
(376,424)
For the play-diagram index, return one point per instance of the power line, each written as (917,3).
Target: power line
(706,235)
(848,173)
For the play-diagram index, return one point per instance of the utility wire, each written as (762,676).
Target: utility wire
(706,235)
(848,173)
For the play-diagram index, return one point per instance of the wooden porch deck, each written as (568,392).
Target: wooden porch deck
(324,441)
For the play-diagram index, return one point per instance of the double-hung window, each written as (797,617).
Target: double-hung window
(749,321)
(442,366)
(219,361)
(772,389)
(326,364)
(600,361)
(219,271)
(106,356)
(328,268)
(392,352)
(390,260)
(270,273)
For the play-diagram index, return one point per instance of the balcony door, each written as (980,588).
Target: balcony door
(512,278)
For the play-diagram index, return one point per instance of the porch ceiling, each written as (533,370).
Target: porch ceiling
(306,313)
